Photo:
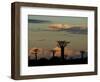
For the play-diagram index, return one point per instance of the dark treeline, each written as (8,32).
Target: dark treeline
(56,61)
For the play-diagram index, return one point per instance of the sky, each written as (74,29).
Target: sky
(45,31)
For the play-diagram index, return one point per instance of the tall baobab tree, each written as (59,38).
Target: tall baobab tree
(62,45)
(35,52)
(53,51)
(82,53)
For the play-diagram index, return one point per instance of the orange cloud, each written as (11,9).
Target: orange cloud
(58,26)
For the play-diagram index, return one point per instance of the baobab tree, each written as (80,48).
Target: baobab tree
(36,50)
(53,51)
(82,53)
(62,45)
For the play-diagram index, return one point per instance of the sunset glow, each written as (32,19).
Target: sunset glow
(57,39)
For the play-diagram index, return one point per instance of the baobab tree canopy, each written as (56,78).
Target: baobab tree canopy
(62,43)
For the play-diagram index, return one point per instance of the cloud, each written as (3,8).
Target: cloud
(75,29)
(58,26)
(38,21)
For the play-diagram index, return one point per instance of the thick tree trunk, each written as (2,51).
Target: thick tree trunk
(53,54)
(62,53)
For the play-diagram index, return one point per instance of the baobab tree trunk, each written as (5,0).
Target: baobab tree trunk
(82,54)
(62,53)
(53,54)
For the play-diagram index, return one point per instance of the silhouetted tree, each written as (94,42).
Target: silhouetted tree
(35,52)
(62,45)
(53,51)
(82,53)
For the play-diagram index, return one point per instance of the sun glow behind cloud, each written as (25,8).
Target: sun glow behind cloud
(47,52)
